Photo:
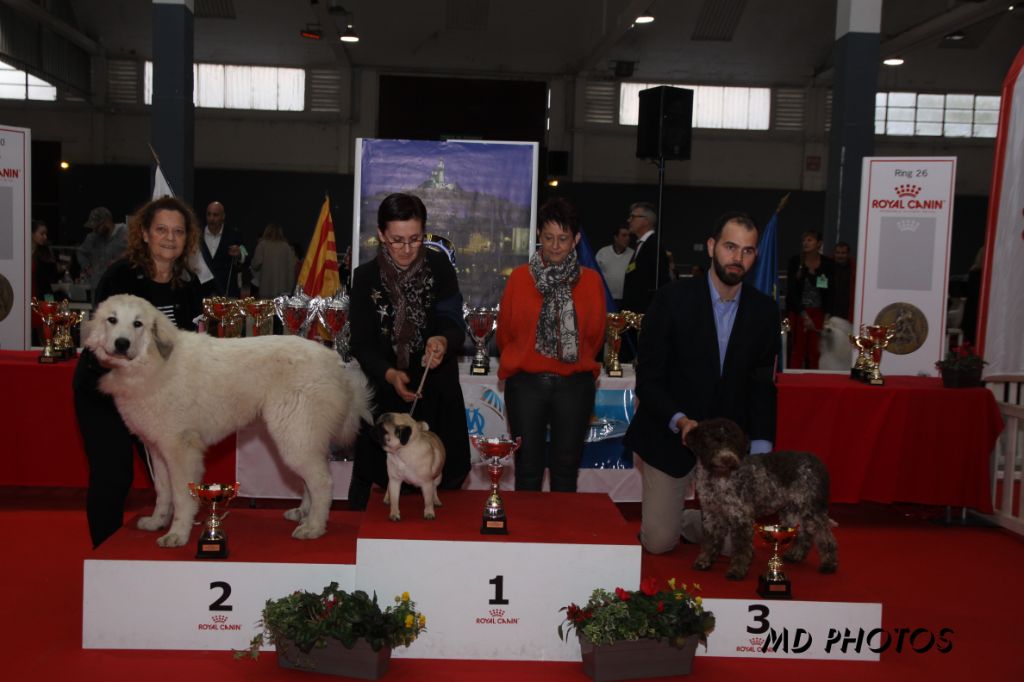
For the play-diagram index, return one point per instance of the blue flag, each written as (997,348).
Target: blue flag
(586,257)
(765,275)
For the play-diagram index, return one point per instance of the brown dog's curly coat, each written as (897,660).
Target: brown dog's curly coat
(735,489)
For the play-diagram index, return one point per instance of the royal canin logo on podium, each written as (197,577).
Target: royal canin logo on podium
(220,623)
(755,646)
(907,199)
(497,617)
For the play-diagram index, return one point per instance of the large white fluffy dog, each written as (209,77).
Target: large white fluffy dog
(181,392)
(834,345)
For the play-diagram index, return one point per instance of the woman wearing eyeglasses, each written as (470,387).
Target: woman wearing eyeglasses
(406,317)
(550,329)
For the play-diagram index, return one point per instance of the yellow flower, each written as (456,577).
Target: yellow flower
(408,621)
(698,600)
(405,596)
(696,586)
(672,583)
(423,621)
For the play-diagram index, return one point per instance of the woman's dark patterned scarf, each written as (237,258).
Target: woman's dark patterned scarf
(412,294)
(557,329)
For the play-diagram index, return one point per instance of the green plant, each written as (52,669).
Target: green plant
(309,620)
(961,357)
(658,610)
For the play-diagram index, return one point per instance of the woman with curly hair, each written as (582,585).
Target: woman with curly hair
(161,237)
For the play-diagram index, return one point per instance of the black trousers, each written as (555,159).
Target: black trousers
(543,404)
(109,448)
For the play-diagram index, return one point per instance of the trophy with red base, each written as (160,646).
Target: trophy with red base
(774,584)
(615,324)
(495,452)
(213,542)
(228,314)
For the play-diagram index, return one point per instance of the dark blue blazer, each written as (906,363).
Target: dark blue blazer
(678,371)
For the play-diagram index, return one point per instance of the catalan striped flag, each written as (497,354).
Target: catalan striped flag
(319,274)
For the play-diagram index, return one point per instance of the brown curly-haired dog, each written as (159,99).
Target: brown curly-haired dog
(735,489)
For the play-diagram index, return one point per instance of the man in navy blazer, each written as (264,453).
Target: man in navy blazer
(708,348)
(221,255)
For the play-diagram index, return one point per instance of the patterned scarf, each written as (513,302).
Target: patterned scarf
(412,294)
(557,332)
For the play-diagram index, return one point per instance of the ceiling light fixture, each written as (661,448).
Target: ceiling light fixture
(955,35)
(893,61)
(349,36)
(64,165)
(644,19)
(553,183)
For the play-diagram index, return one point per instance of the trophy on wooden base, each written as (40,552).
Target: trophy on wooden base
(213,542)
(774,584)
(494,451)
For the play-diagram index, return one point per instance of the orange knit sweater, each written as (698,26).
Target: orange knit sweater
(517,325)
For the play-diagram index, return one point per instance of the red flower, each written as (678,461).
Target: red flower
(661,606)
(649,586)
(622,594)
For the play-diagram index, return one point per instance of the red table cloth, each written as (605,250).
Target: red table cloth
(39,433)
(910,440)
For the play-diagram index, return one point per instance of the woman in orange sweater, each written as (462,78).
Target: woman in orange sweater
(550,329)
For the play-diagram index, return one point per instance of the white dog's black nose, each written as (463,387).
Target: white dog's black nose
(121,344)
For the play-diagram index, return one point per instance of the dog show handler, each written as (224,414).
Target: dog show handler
(708,347)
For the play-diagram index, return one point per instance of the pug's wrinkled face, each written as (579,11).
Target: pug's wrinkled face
(395,430)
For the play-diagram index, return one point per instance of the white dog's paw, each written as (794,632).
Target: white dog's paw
(395,516)
(294,514)
(151,523)
(172,539)
(307,532)
(429,515)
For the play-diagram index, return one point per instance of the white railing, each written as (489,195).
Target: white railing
(1008,456)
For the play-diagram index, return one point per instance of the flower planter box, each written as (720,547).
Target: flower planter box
(360,661)
(635,660)
(961,378)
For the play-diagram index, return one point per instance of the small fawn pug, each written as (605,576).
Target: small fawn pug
(415,455)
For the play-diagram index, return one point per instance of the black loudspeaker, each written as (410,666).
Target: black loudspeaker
(665,122)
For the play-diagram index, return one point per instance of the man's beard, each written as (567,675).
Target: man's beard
(727,277)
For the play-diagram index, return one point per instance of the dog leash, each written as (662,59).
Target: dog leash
(423,380)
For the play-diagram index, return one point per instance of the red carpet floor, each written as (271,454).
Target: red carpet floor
(926,575)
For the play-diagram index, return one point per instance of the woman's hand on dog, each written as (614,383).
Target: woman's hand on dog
(400,381)
(433,351)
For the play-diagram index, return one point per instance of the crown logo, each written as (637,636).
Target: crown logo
(907,225)
(757,641)
(497,613)
(220,619)
(907,190)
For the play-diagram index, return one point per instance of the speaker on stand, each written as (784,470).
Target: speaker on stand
(663,132)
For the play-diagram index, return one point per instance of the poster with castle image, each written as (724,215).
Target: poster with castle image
(480,196)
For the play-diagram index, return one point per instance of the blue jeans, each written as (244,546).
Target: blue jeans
(537,403)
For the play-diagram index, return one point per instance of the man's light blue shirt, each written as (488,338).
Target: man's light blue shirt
(725,318)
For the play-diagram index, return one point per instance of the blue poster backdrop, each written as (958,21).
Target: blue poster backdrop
(481,196)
